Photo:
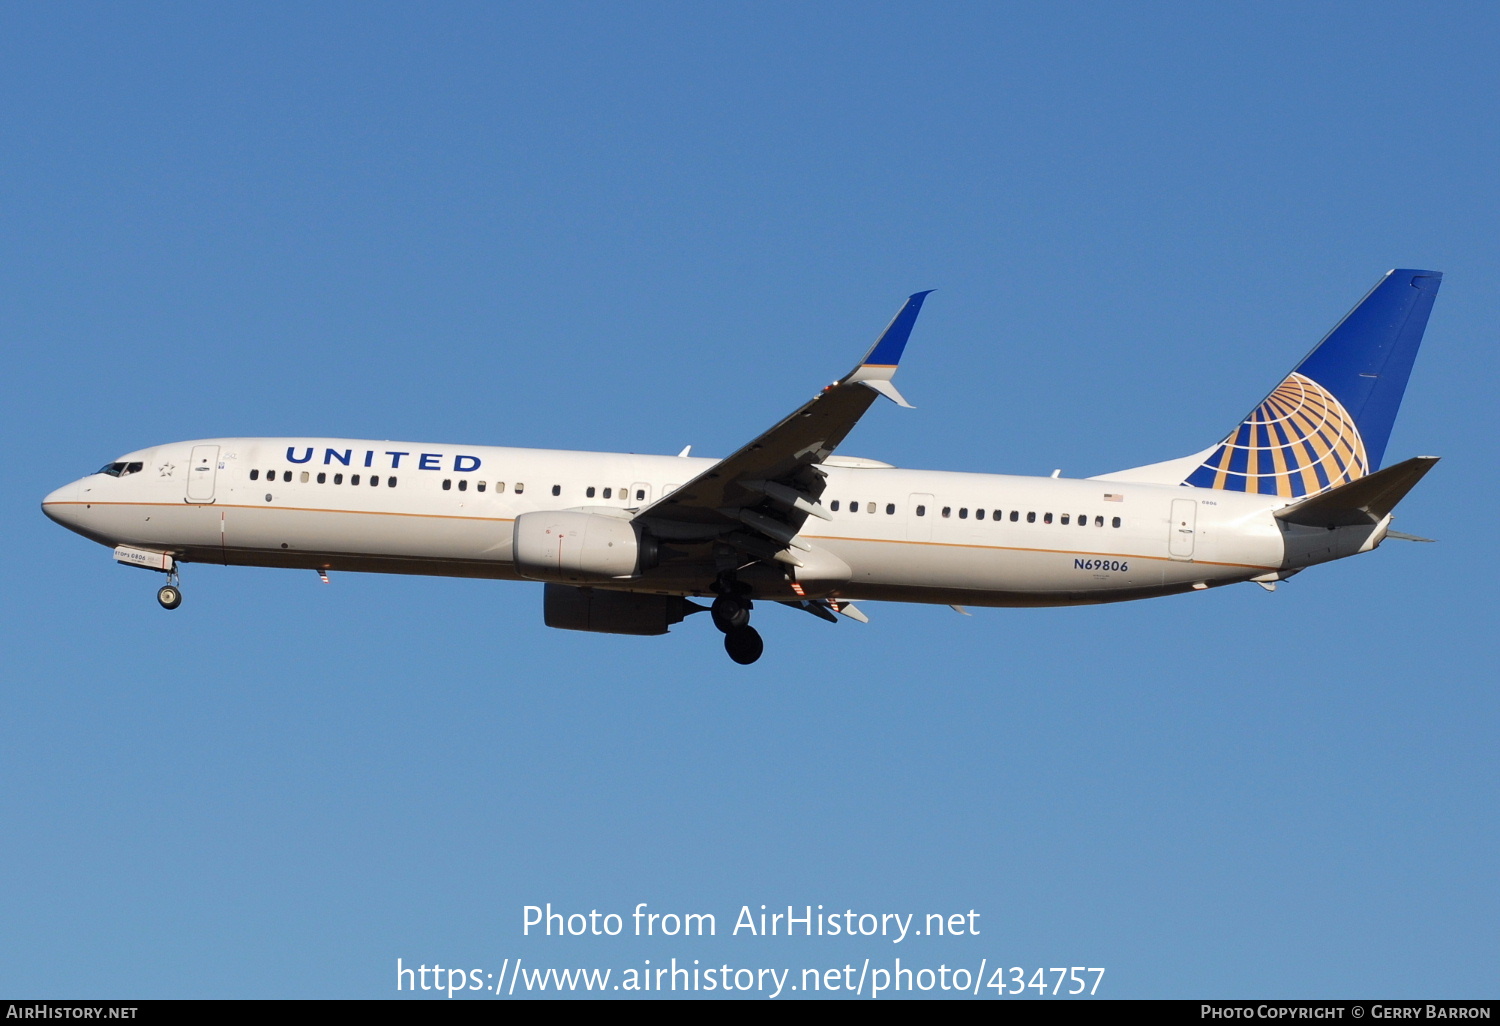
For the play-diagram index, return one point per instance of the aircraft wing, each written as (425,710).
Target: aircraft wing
(757,499)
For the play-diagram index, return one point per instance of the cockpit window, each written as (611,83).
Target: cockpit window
(120,469)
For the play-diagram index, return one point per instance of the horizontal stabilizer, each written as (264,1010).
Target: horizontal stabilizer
(1366,500)
(1403,536)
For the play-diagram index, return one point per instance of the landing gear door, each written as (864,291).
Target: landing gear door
(1182,529)
(202,469)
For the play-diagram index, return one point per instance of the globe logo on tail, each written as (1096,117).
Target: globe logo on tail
(1300,441)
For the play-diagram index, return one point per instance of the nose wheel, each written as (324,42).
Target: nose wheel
(170,594)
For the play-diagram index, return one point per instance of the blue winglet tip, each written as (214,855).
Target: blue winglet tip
(887,351)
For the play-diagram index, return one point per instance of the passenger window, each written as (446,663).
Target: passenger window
(254,474)
(998,512)
(869,507)
(608,492)
(890,509)
(834,505)
(1046,518)
(479,486)
(520,487)
(304,477)
(390,482)
(557,489)
(979,514)
(354,479)
(1063,520)
(447,484)
(1115,522)
(322,477)
(963,513)
(921,511)
(640,495)
(589,492)
(1031,518)
(947,511)
(463,485)
(1015,515)
(286,475)
(1083,520)
(1098,521)
(500,487)
(338,478)
(374,481)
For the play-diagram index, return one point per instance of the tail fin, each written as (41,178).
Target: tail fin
(1328,422)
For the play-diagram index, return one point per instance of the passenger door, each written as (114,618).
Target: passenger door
(203,468)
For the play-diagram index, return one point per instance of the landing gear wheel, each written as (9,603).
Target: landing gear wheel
(729,613)
(169,597)
(743,644)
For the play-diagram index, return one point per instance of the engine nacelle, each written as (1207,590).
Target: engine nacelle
(575,547)
(612,612)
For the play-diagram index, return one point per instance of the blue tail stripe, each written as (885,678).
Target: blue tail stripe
(1329,420)
(1366,361)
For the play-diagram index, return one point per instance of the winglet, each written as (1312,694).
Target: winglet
(879,364)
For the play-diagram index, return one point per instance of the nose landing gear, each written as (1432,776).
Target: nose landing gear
(731,614)
(170,594)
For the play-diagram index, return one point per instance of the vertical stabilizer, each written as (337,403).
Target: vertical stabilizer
(1328,421)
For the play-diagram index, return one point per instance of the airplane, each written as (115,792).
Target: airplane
(624,543)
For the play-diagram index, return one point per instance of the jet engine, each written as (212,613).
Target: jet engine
(572,546)
(612,612)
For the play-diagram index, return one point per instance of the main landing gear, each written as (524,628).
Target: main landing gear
(731,614)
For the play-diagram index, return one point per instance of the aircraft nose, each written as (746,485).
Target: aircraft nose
(59,504)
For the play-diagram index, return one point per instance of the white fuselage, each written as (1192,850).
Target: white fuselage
(905,535)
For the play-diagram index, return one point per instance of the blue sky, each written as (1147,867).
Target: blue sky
(638,227)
